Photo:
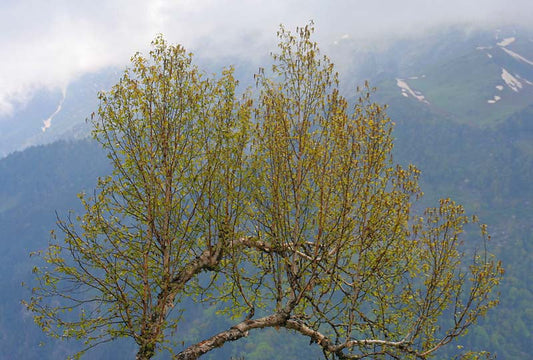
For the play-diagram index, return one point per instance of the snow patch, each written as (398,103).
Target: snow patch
(511,81)
(499,87)
(495,99)
(48,122)
(407,90)
(518,56)
(489,55)
(507,41)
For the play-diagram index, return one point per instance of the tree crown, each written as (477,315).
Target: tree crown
(286,208)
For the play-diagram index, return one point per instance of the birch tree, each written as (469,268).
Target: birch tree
(287,209)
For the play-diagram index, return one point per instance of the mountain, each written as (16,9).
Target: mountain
(57,114)
(486,85)
(465,118)
(463,107)
(53,114)
(482,83)
(34,184)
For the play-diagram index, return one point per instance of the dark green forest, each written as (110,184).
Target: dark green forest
(487,169)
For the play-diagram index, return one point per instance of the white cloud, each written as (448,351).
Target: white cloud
(48,43)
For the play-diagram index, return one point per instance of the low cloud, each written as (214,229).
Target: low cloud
(48,44)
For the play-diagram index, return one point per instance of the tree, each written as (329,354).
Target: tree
(286,209)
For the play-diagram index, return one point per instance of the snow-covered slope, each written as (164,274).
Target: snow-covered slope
(483,84)
(50,115)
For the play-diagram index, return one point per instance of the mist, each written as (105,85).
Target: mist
(49,44)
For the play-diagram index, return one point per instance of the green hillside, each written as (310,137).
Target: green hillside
(481,85)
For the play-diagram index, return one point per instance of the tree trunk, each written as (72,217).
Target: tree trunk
(146,351)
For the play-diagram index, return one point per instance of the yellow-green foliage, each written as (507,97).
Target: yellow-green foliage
(290,203)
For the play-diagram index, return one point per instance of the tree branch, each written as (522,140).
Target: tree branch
(326,344)
(234,333)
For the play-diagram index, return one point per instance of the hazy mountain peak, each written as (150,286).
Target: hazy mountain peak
(479,80)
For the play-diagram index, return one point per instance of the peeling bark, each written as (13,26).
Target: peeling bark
(234,333)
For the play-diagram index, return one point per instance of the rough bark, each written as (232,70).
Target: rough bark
(234,333)
(207,260)
(242,329)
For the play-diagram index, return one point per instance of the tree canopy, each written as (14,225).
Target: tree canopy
(284,206)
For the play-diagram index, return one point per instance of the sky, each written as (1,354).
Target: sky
(49,43)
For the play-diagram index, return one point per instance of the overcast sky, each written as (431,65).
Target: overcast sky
(47,43)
